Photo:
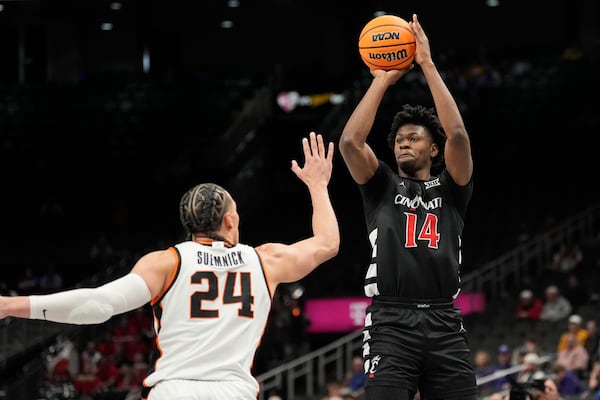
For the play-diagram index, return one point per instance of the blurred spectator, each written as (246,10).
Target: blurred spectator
(107,373)
(530,345)
(129,387)
(574,327)
(348,394)
(503,357)
(550,391)
(356,378)
(274,395)
(503,361)
(574,357)
(592,390)
(532,369)
(89,358)
(62,360)
(568,382)
(529,307)
(577,293)
(333,391)
(556,307)
(482,365)
(592,342)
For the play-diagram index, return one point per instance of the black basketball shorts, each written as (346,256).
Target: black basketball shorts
(418,345)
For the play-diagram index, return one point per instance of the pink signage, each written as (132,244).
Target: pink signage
(346,314)
(340,314)
(470,302)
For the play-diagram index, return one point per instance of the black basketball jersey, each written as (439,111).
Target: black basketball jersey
(415,230)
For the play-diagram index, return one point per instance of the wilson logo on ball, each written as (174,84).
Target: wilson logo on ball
(390,57)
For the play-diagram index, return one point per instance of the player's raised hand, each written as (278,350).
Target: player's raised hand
(318,161)
(423,52)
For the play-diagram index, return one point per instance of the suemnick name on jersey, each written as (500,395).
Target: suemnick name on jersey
(229,259)
(417,201)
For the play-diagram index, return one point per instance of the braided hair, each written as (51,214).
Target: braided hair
(202,208)
(425,117)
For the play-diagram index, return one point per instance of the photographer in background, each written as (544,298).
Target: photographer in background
(550,391)
(539,389)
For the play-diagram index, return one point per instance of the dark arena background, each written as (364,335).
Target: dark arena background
(110,110)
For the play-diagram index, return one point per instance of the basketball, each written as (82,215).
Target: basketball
(387,42)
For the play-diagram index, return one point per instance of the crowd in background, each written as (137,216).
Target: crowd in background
(561,308)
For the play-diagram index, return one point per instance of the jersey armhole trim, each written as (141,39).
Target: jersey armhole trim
(264,273)
(174,273)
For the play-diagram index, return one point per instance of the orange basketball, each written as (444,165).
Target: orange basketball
(387,42)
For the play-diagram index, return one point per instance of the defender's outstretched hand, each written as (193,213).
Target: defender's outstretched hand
(318,161)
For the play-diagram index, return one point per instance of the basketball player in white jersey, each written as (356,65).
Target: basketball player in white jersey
(210,295)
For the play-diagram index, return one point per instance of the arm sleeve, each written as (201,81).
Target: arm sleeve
(91,306)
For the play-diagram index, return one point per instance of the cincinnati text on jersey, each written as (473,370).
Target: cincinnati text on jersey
(229,259)
(418,202)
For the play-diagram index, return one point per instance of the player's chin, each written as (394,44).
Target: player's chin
(405,161)
(407,164)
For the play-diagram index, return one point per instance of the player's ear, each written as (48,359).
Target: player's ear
(434,150)
(228,220)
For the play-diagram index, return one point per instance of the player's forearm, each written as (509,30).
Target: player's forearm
(445,105)
(324,221)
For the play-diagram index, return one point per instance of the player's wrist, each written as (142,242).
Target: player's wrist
(382,81)
(15,306)
(427,64)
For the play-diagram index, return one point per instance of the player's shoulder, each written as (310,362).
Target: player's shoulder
(270,248)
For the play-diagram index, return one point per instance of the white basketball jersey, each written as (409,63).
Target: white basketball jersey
(210,320)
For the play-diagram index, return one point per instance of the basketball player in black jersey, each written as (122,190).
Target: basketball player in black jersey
(414,339)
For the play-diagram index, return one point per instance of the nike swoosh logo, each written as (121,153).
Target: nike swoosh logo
(44,312)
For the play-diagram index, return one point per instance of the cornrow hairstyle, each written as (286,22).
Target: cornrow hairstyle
(426,117)
(201,209)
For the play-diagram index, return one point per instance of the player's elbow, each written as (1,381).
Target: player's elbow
(348,144)
(331,247)
(91,312)
(332,251)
